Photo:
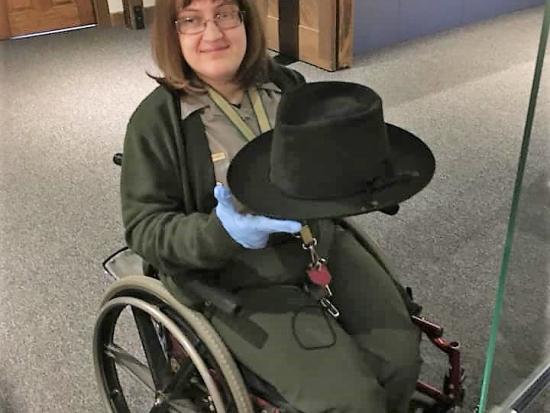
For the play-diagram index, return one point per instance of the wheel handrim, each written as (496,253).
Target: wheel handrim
(107,355)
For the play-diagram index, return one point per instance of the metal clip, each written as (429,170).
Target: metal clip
(320,261)
(315,258)
(331,308)
(312,244)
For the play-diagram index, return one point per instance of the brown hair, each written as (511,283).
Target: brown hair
(168,57)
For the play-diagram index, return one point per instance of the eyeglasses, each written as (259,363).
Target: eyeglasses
(225,19)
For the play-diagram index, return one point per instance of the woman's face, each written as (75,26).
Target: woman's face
(214,54)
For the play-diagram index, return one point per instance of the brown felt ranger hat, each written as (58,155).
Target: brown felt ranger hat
(330,155)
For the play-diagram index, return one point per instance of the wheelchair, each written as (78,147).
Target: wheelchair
(188,368)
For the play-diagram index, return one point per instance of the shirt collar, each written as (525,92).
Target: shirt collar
(270,86)
(192,103)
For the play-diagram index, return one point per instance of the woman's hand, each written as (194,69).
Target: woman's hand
(251,231)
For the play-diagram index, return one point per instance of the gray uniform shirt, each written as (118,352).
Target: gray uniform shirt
(223,137)
(252,267)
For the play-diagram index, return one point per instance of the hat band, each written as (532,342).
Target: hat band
(379,184)
(370,187)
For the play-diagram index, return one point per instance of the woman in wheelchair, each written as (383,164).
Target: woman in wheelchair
(320,317)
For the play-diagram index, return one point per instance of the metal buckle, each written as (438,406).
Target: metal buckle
(331,308)
(316,259)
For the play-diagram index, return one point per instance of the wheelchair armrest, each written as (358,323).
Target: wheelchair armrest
(221,299)
(123,263)
(431,329)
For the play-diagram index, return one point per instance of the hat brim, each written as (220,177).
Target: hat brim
(248,179)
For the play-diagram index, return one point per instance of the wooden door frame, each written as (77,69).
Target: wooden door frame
(4,22)
(101,10)
(102,14)
(335,43)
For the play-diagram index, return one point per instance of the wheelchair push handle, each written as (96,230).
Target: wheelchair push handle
(117,159)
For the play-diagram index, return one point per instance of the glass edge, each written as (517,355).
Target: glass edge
(495,323)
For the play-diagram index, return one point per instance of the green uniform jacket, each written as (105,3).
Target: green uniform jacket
(167,184)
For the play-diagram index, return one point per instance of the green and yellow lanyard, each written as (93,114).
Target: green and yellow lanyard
(317,270)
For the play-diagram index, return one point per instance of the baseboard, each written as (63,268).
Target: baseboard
(117,19)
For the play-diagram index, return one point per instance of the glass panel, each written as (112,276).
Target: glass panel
(518,354)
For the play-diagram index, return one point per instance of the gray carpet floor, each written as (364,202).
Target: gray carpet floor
(66,99)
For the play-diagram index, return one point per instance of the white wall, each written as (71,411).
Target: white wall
(115,6)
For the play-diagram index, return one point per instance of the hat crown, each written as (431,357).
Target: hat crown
(326,131)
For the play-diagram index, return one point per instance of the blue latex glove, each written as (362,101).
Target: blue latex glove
(251,231)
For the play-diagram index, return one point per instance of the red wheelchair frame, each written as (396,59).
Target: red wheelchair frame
(452,393)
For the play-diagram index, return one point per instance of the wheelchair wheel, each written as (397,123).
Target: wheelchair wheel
(206,380)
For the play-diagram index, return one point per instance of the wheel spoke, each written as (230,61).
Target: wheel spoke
(156,358)
(180,382)
(181,406)
(131,364)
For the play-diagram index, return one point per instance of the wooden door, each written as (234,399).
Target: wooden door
(19,17)
(324,33)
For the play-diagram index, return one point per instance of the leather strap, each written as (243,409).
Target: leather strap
(229,111)
(259,110)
